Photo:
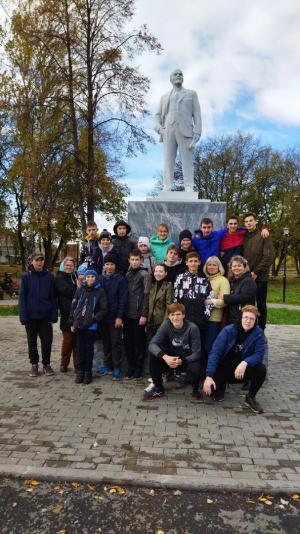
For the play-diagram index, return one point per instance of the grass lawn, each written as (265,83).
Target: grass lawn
(292,290)
(283,316)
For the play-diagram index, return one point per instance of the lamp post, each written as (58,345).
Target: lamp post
(285,235)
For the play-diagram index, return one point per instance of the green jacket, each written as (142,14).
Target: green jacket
(260,253)
(159,248)
(159,299)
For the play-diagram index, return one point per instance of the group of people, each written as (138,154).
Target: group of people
(186,310)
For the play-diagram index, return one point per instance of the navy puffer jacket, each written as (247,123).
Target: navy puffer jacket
(37,296)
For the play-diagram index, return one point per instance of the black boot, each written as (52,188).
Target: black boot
(88,378)
(79,376)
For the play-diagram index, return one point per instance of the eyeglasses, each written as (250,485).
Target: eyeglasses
(246,318)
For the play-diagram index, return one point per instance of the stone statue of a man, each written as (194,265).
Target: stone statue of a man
(178,122)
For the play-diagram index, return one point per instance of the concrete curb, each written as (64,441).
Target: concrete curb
(194,483)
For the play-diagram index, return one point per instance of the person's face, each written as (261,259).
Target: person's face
(162,233)
(121,231)
(206,229)
(237,269)
(172,256)
(248,320)
(176,319)
(186,243)
(110,268)
(159,273)
(105,242)
(250,223)
(38,264)
(143,248)
(232,225)
(92,231)
(212,268)
(134,262)
(69,266)
(177,78)
(193,265)
(90,280)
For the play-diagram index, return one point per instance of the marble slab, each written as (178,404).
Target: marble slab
(144,216)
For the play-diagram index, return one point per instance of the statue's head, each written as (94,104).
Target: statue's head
(176,77)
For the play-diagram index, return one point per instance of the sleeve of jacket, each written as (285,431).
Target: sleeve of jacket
(225,290)
(62,287)
(73,305)
(259,350)
(147,285)
(101,305)
(54,315)
(209,294)
(159,340)
(169,298)
(23,314)
(195,343)
(248,292)
(217,351)
(177,285)
(268,256)
(122,298)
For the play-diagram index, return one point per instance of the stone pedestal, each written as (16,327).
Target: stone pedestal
(178,209)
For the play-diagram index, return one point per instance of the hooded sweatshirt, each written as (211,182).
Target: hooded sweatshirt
(89,306)
(159,248)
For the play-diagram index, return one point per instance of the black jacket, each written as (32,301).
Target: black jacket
(65,288)
(242,292)
(192,290)
(139,282)
(91,255)
(37,296)
(122,247)
(89,307)
(116,290)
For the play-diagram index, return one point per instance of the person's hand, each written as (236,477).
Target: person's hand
(240,371)
(208,385)
(195,140)
(265,233)
(143,320)
(118,322)
(79,280)
(172,361)
(254,276)
(72,328)
(207,302)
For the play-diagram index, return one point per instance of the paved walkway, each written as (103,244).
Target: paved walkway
(52,428)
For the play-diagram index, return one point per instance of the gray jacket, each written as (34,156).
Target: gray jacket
(139,282)
(184,342)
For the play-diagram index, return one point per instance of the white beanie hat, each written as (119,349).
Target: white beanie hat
(143,241)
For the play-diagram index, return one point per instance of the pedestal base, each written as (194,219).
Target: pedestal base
(178,213)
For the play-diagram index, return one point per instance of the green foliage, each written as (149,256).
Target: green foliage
(283,316)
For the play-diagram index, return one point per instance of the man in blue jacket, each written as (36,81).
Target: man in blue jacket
(37,311)
(237,354)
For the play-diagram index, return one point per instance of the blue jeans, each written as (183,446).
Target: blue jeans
(210,334)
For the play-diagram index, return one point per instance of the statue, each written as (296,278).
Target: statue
(178,122)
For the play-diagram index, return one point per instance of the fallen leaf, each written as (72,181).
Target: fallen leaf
(282,507)
(98,498)
(99,529)
(75,485)
(61,531)
(160,532)
(91,487)
(56,488)
(295,497)
(44,510)
(57,509)
(177,492)
(249,501)
(284,502)
(151,492)
(292,507)
(116,489)
(31,482)
(164,503)
(95,444)
(29,490)
(14,504)
(269,503)
(209,501)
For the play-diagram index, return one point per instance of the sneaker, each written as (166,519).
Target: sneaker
(196,397)
(88,378)
(129,375)
(116,375)
(63,368)
(47,370)
(181,381)
(138,375)
(79,377)
(253,404)
(150,385)
(153,393)
(102,371)
(34,370)
(218,397)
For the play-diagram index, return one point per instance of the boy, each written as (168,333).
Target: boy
(90,253)
(115,287)
(173,264)
(105,246)
(38,310)
(122,244)
(139,282)
(185,244)
(88,307)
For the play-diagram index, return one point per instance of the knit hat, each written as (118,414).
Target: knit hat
(110,258)
(90,272)
(81,269)
(105,235)
(122,223)
(143,241)
(185,234)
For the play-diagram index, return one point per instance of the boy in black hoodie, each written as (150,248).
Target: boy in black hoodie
(122,244)
(88,307)
(139,282)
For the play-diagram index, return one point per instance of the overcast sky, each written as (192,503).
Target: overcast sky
(242,58)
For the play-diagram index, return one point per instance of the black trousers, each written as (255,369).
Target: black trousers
(41,328)
(85,349)
(135,344)
(225,373)
(158,366)
(261,301)
(112,345)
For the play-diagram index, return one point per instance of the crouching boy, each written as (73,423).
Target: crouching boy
(88,307)
(176,344)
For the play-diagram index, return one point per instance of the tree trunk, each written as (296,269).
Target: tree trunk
(90,122)
(56,255)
